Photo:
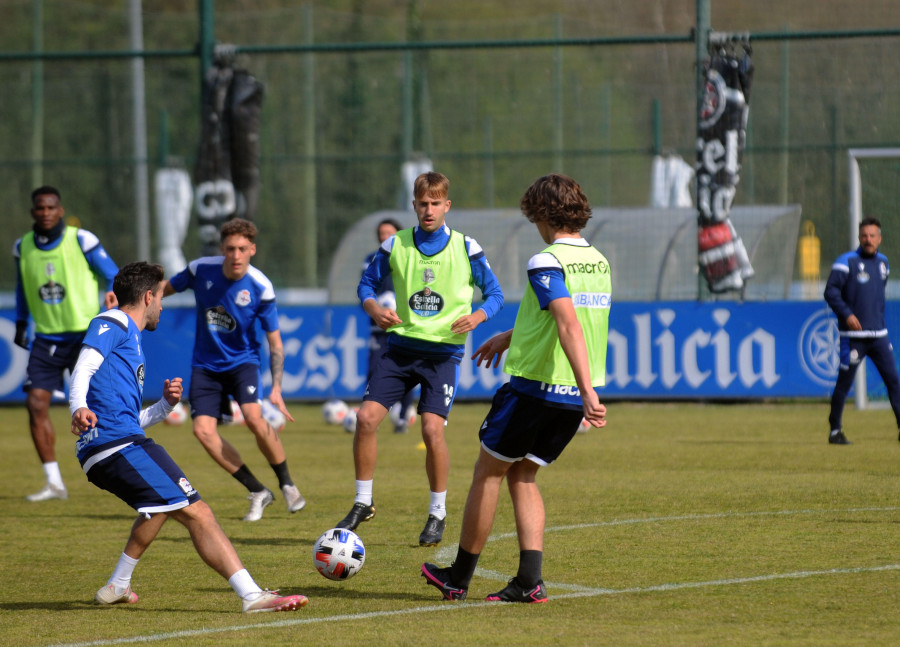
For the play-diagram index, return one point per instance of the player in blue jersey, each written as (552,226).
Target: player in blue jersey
(434,270)
(232,296)
(106,396)
(378,337)
(59,270)
(855,291)
(556,359)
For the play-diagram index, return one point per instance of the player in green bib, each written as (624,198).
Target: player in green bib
(557,363)
(59,271)
(434,270)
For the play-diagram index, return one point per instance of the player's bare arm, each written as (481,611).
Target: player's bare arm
(492,350)
(468,323)
(571,337)
(276,365)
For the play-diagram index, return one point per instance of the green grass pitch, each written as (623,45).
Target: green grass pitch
(678,524)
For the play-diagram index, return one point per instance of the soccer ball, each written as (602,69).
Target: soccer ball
(236,416)
(177,416)
(387,300)
(583,426)
(334,411)
(273,415)
(408,419)
(339,554)
(349,421)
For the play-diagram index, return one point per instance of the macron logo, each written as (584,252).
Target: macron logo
(251,389)
(545,281)
(209,285)
(103,328)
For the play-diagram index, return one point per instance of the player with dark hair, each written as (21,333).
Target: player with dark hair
(106,398)
(58,274)
(558,343)
(434,271)
(378,337)
(232,296)
(855,292)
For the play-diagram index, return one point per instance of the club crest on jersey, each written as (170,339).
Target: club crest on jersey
(242,298)
(218,320)
(862,276)
(884,271)
(426,302)
(428,275)
(140,375)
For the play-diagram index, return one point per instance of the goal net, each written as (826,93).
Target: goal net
(873,191)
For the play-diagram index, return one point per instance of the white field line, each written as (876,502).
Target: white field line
(577,591)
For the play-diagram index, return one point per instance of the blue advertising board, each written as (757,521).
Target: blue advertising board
(657,350)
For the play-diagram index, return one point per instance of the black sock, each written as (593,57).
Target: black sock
(530,567)
(246,478)
(281,471)
(462,570)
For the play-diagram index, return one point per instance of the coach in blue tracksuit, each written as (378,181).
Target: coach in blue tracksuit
(855,291)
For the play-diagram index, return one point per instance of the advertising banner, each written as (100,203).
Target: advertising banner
(657,350)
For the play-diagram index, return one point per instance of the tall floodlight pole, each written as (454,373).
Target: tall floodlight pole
(139,116)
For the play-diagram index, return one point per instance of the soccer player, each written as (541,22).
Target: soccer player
(58,274)
(378,337)
(855,291)
(434,270)
(232,296)
(105,400)
(556,360)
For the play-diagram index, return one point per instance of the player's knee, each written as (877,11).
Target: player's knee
(367,420)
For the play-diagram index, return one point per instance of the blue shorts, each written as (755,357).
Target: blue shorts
(145,477)
(397,373)
(520,426)
(48,361)
(209,391)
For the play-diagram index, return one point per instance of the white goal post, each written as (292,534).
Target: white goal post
(853,157)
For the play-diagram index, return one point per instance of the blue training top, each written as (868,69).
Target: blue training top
(226,335)
(116,391)
(856,286)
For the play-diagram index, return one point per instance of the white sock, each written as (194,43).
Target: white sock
(243,584)
(51,470)
(364,492)
(438,504)
(121,575)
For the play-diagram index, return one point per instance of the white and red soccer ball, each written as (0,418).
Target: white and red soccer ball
(334,410)
(339,554)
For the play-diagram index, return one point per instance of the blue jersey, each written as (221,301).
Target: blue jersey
(549,283)
(226,334)
(386,286)
(856,286)
(116,391)
(430,244)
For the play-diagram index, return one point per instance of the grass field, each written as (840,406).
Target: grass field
(679,524)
